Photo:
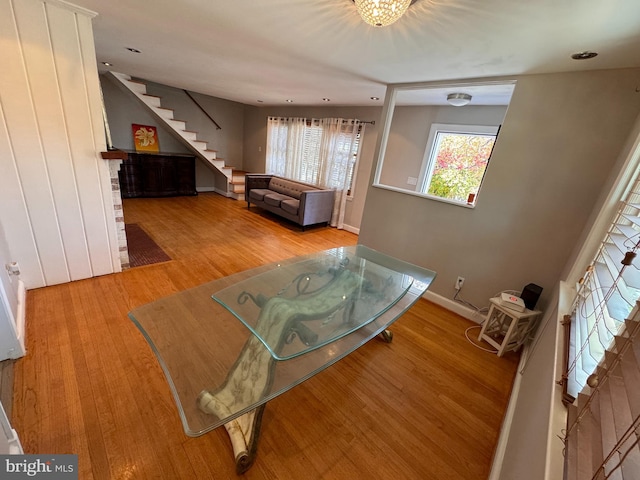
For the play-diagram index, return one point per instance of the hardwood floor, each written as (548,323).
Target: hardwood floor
(429,405)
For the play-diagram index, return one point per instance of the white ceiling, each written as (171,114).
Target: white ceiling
(307,50)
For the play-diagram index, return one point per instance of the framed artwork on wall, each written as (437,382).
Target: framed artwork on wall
(145,138)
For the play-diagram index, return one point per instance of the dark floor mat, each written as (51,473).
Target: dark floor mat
(142,249)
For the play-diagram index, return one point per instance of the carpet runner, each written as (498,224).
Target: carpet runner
(142,249)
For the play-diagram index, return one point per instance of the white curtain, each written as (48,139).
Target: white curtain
(285,146)
(320,151)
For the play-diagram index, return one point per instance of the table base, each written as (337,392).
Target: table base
(244,431)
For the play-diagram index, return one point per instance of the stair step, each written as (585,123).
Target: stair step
(214,153)
(186,134)
(135,86)
(199,144)
(177,124)
(152,100)
(210,155)
(165,113)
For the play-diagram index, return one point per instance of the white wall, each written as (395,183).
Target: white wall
(55,191)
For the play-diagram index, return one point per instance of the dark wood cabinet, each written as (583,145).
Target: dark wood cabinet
(157,175)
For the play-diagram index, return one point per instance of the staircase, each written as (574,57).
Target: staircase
(235,178)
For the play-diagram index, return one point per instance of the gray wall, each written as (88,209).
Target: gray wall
(409,134)
(540,397)
(256,141)
(559,140)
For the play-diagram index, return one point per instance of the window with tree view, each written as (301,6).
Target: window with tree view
(456,159)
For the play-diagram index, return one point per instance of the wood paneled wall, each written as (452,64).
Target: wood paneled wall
(55,192)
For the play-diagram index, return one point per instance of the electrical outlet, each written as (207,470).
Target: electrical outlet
(459,283)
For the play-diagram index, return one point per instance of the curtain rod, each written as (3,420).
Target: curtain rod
(371,122)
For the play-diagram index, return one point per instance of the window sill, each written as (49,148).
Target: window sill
(426,196)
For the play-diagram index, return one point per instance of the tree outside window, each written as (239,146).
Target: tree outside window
(457,160)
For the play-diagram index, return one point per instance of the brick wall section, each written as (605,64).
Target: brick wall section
(115,161)
(114,168)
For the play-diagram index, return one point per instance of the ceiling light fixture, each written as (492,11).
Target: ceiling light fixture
(458,99)
(326,99)
(107,64)
(375,98)
(133,50)
(381,13)
(584,55)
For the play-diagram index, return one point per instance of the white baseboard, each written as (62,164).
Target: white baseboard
(224,193)
(452,305)
(351,229)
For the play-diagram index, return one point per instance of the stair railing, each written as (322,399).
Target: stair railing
(218,127)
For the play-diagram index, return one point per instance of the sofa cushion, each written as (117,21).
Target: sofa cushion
(258,193)
(290,206)
(288,187)
(274,199)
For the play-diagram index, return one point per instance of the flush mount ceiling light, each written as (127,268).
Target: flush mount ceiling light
(381,13)
(458,99)
(584,55)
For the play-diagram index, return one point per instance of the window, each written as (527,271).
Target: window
(319,151)
(455,161)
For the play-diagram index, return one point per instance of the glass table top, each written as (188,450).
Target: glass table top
(233,344)
(327,296)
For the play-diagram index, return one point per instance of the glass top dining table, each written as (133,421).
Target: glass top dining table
(229,346)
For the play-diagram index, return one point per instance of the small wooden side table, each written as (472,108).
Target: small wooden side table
(507,329)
